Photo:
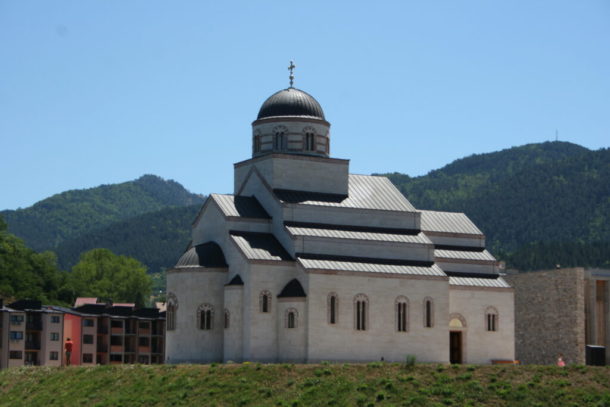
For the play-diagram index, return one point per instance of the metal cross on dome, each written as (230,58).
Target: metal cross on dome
(291,69)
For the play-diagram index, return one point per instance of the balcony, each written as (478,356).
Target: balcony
(33,325)
(102,330)
(102,348)
(32,345)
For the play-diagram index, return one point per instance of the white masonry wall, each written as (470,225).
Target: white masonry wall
(187,343)
(233,335)
(261,329)
(301,173)
(479,345)
(342,342)
(292,341)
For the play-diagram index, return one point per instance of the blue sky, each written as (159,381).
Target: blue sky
(99,92)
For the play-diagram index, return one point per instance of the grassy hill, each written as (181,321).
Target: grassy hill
(538,204)
(71,214)
(373,384)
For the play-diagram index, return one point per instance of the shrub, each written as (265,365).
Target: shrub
(410,360)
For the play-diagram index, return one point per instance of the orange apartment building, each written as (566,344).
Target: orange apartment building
(30,334)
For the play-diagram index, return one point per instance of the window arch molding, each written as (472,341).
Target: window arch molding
(401,311)
(332,306)
(264,300)
(460,318)
(428,311)
(205,317)
(291,317)
(171,303)
(492,319)
(361,312)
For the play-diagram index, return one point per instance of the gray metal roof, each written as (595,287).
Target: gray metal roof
(334,265)
(291,102)
(338,233)
(242,206)
(464,255)
(204,255)
(365,192)
(479,282)
(260,246)
(448,222)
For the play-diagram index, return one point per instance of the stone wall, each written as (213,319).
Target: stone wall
(549,315)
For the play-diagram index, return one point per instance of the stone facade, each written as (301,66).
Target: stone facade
(561,311)
(550,315)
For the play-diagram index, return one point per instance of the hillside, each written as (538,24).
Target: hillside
(373,384)
(548,202)
(157,239)
(71,214)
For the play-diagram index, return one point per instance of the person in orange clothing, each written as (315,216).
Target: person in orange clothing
(68,348)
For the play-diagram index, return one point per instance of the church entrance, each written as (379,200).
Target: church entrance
(455,347)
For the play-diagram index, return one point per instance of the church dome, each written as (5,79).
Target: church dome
(291,102)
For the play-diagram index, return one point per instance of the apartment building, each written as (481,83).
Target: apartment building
(30,334)
(114,334)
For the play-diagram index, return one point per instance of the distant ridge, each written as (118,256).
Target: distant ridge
(539,204)
(70,214)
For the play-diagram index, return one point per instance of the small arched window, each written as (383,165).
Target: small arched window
(402,314)
(227,319)
(171,310)
(291,318)
(265,301)
(310,138)
(257,143)
(333,308)
(278,140)
(491,319)
(428,313)
(361,308)
(205,316)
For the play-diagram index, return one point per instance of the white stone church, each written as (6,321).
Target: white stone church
(306,262)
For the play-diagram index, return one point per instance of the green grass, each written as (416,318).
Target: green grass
(373,384)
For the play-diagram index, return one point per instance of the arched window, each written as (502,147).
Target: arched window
(491,319)
(278,141)
(310,139)
(361,308)
(171,309)
(205,316)
(257,142)
(428,312)
(291,318)
(227,319)
(333,308)
(402,314)
(265,301)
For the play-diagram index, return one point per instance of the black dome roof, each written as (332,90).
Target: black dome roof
(291,102)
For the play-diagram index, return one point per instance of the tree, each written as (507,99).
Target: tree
(27,274)
(101,273)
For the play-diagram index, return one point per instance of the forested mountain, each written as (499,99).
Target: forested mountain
(538,204)
(71,214)
(157,239)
